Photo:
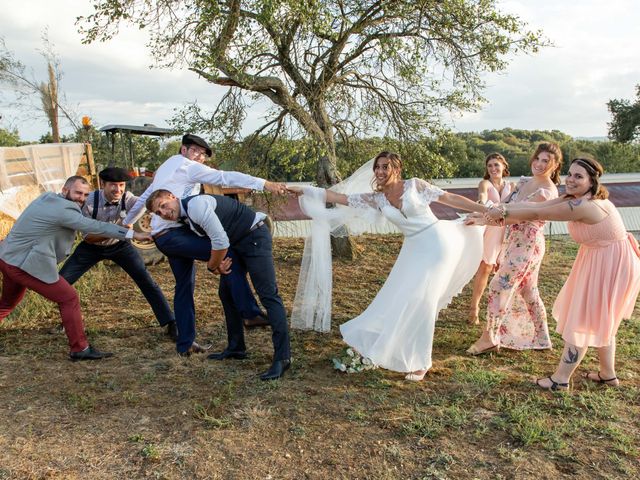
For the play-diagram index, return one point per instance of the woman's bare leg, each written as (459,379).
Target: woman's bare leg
(569,361)
(479,284)
(607,374)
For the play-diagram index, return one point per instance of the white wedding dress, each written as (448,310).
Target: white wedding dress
(438,258)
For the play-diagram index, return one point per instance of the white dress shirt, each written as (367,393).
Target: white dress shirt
(183,177)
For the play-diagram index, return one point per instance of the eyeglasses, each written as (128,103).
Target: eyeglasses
(198,152)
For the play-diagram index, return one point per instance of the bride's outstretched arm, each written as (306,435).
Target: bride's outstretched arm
(334,197)
(458,201)
(330,196)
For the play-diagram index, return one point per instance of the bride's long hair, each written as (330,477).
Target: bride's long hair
(394,161)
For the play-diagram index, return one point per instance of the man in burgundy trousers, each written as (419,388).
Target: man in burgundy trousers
(42,237)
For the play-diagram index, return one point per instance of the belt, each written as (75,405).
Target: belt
(245,235)
(257,226)
(160,233)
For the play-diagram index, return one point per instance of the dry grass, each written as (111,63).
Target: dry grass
(147,413)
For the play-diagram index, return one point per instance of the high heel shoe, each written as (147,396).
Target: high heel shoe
(416,376)
(475,351)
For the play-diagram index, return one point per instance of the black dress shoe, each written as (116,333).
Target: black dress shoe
(172,331)
(227,354)
(89,353)
(195,348)
(255,322)
(277,370)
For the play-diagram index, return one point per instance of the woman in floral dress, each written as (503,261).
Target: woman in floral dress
(516,317)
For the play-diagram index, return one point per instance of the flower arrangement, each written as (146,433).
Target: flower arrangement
(353,362)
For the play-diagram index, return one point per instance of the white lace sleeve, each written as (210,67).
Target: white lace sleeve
(428,193)
(363,201)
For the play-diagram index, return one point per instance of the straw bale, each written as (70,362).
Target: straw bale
(22,198)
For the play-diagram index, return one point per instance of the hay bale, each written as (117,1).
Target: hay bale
(14,203)
(6,222)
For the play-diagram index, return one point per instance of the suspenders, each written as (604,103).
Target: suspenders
(96,200)
(198,228)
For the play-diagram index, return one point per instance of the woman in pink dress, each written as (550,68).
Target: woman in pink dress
(494,188)
(605,278)
(516,317)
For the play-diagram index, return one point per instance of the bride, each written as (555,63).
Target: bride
(437,259)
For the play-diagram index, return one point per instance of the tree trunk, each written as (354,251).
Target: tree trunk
(342,247)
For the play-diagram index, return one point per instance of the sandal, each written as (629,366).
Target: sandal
(555,386)
(475,351)
(610,382)
(416,376)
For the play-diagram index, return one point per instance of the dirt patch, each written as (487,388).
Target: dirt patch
(147,413)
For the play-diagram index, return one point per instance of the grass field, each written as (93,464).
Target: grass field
(147,413)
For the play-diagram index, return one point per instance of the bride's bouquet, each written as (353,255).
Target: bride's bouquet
(353,362)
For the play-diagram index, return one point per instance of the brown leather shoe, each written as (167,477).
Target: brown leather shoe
(255,322)
(195,348)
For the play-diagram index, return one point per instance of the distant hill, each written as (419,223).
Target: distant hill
(593,139)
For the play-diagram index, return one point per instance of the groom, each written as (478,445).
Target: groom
(217,223)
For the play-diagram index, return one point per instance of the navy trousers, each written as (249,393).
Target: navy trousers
(252,254)
(124,255)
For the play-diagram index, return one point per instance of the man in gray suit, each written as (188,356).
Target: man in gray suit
(42,237)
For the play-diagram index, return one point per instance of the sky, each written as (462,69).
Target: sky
(595,58)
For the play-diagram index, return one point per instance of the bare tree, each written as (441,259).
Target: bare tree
(14,74)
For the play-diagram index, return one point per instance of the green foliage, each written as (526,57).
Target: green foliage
(625,122)
(444,156)
(329,68)
(9,138)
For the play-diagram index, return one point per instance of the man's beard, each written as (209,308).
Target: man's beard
(68,197)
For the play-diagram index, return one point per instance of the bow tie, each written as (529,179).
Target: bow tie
(182,220)
(111,204)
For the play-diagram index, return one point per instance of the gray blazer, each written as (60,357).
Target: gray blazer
(44,234)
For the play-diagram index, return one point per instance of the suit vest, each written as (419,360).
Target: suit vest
(235,217)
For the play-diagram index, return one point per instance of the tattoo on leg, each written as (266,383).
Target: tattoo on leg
(572,356)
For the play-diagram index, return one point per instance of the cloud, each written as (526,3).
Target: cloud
(565,87)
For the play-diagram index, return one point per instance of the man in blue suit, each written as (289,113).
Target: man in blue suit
(215,224)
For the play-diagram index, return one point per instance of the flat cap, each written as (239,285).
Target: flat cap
(190,139)
(114,174)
